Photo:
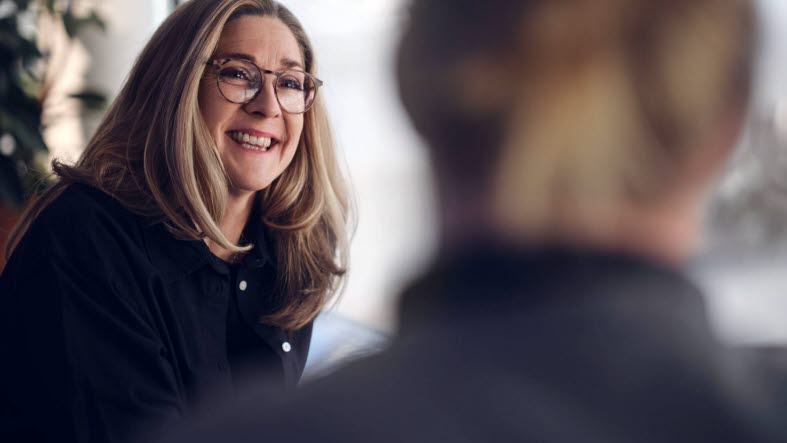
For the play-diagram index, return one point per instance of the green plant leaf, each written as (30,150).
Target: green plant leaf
(23,4)
(26,136)
(21,104)
(49,5)
(74,24)
(9,36)
(28,51)
(91,100)
(11,187)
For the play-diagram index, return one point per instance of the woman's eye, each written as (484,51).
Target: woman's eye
(234,73)
(290,83)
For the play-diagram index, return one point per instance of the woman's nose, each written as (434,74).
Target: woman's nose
(265,103)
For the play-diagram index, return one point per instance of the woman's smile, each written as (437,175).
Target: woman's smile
(253,141)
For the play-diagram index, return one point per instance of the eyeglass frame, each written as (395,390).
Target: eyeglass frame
(218,62)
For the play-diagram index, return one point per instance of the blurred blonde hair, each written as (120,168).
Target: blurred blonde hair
(597,101)
(153,153)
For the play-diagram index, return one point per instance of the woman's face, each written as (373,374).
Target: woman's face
(268,43)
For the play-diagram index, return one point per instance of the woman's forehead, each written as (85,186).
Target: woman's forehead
(264,40)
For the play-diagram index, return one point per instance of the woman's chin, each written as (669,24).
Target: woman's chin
(241,188)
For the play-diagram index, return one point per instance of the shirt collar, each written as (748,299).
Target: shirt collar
(176,258)
(525,279)
(260,253)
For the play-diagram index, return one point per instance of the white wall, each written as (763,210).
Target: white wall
(129,25)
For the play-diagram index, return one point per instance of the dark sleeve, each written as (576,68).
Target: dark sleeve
(82,359)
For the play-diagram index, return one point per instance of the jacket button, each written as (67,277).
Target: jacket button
(243,285)
(286,346)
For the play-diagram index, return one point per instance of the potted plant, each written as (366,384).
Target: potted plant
(23,94)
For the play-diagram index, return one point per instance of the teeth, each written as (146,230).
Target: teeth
(254,148)
(251,142)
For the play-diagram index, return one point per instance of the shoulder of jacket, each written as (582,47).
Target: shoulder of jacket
(81,212)
(84,205)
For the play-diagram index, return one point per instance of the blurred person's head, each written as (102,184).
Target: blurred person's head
(577,121)
(166,147)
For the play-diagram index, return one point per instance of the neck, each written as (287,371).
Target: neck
(666,233)
(236,214)
(466,217)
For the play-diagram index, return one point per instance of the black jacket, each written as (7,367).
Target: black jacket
(109,324)
(539,346)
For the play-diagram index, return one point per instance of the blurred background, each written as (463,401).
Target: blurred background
(63,62)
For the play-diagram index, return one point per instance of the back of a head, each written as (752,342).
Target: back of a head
(563,107)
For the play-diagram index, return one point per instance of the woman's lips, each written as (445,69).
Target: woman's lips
(251,141)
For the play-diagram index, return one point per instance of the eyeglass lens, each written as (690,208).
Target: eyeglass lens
(240,80)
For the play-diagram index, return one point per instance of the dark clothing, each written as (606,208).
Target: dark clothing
(542,346)
(110,324)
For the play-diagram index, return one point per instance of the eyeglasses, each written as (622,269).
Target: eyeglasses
(240,81)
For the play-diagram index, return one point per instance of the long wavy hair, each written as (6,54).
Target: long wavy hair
(572,106)
(153,153)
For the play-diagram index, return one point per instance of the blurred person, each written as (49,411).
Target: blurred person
(193,242)
(573,143)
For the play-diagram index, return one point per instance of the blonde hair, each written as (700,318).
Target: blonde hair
(153,153)
(597,101)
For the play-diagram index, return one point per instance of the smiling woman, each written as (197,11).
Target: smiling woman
(192,243)
(256,134)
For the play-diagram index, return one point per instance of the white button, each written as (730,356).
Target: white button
(243,285)
(286,346)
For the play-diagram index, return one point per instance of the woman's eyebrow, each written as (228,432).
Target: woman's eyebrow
(239,55)
(285,62)
(290,63)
